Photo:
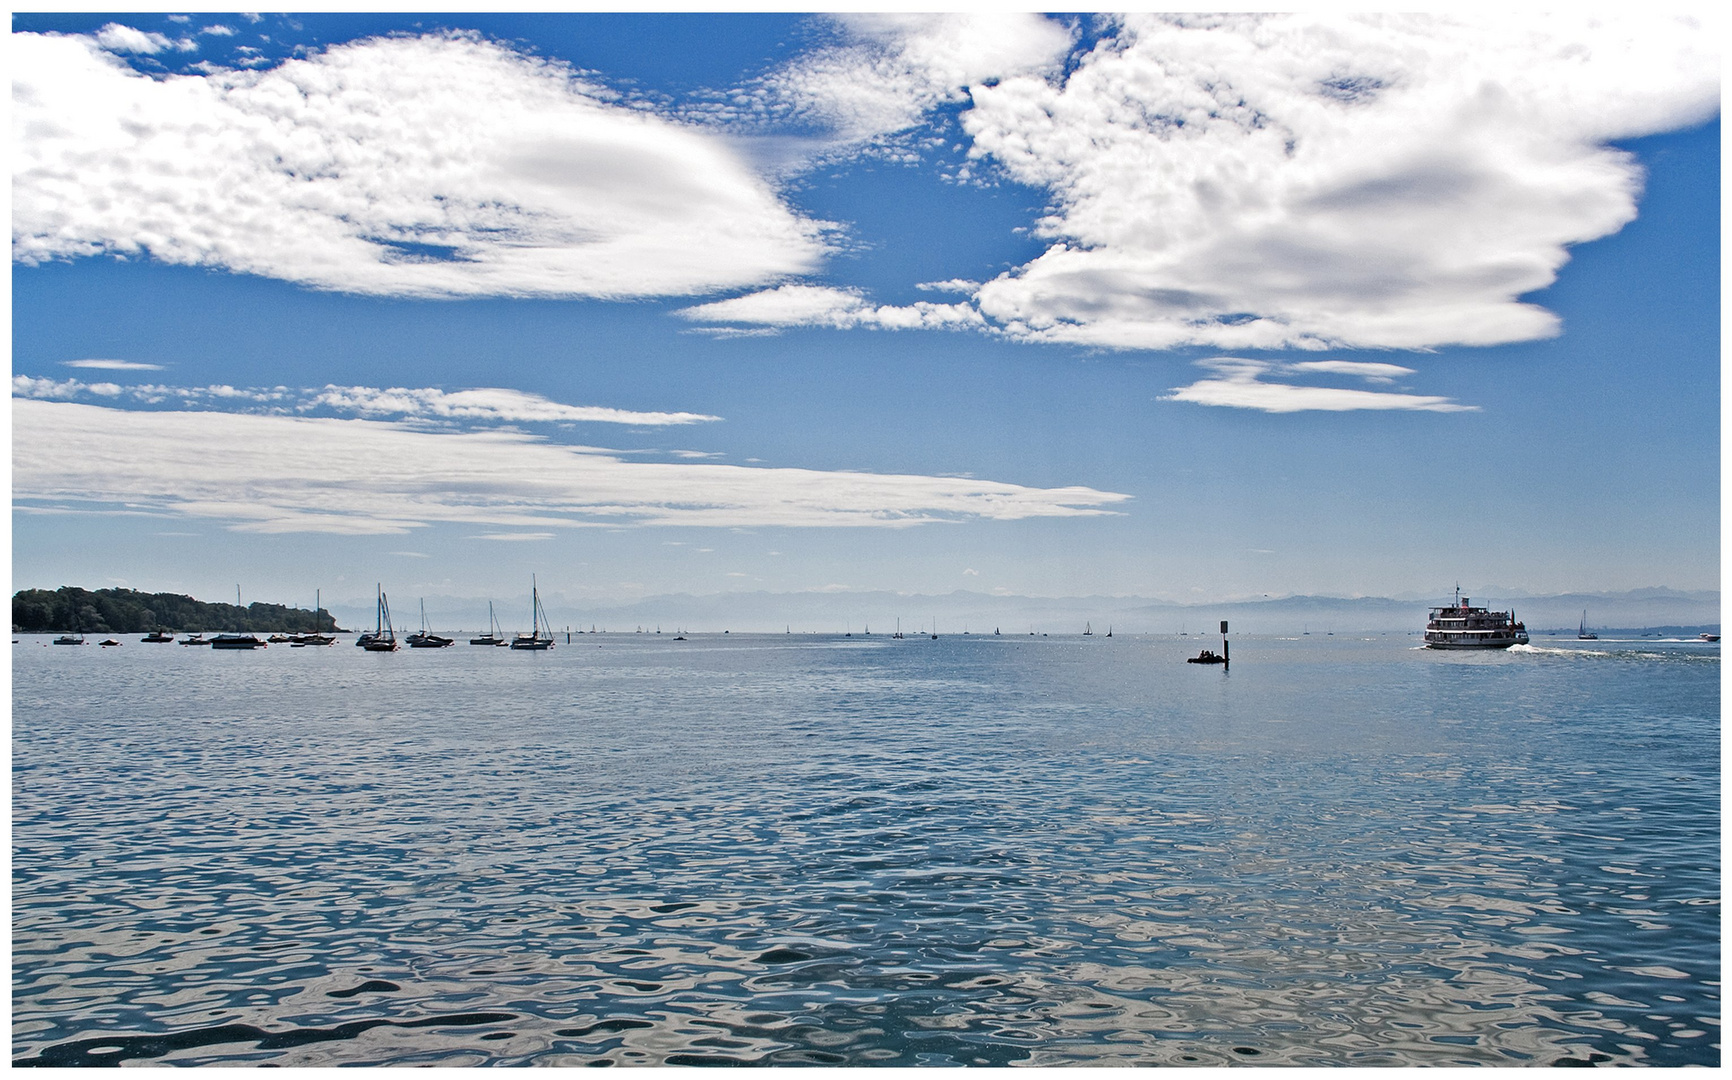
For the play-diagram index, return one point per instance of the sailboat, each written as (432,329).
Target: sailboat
(535,639)
(315,638)
(425,638)
(1582,634)
(1088,629)
(383,638)
(494,635)
(237,641)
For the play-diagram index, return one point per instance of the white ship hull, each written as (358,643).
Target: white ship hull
(1463,626)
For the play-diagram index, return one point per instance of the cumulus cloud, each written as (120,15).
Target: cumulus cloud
(1316,180)
(891,70)
(281,474)
(433,166)
(486,404)
(841,309)
(117,37)
(1242,384)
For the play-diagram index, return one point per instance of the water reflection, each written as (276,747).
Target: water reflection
(755,854)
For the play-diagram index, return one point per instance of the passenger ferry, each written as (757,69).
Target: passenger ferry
(1462,626)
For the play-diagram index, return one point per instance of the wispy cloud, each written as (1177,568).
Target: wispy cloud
(841,309)
(487,404)
(873,90)
(112,365)
(278,474)
(1242,384)
(439,165)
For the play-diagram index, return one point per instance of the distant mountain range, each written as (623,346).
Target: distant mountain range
(836,612)
(126,611)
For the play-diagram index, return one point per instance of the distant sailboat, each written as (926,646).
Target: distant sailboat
(535,639)
(425,638)
(1088,629)
(1582,634)
(494,635)
(237,641)
(383,638)
(315,638)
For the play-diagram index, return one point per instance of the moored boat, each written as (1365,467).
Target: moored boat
(1463,626)
(494,635)
(236,641)
(383,638)
(158,637)
(69,639)
(535,639)
(314,638)
(425,638)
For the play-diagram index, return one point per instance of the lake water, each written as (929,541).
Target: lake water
(792,849)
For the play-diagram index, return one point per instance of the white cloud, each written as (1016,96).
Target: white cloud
(509,537)
(116,37)
(278,474)
(219,30)
(1311,180)
(1370,372)
(894,69)
(841,309)
(1240,384)
(427,166)
(488,404)
(112,365)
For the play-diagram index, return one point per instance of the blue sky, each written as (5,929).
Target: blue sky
(1197,311)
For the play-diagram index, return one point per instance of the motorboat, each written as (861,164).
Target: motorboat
(69,639)
(237,641)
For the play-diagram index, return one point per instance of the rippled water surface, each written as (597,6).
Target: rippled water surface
(775,849)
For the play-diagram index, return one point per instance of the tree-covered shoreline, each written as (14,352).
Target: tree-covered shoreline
(70,609)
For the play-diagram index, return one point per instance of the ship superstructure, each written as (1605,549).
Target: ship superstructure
(1463,626)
